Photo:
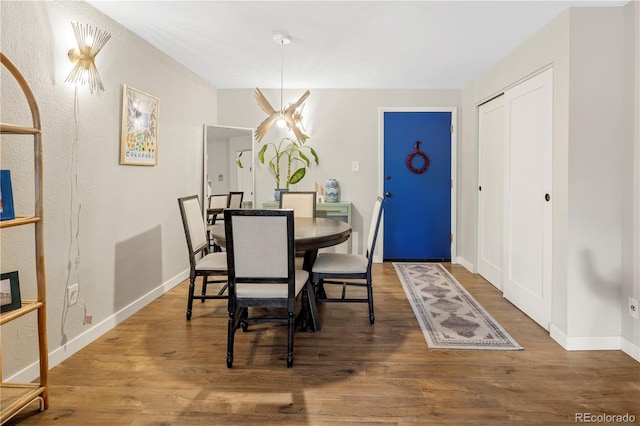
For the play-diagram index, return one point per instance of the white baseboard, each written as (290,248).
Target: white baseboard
(607,343)
(464,262)
(32,371)
(630,349)
(558,335)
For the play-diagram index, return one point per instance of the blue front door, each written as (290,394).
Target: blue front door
(417,186)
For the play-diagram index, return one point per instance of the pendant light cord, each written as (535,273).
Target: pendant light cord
(282,77)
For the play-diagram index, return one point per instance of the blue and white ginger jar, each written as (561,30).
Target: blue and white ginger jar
(331,191)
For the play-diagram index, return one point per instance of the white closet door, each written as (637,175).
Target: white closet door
(491,171)
(527,265)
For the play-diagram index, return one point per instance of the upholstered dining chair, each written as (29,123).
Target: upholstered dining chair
(235,200)
(217,201)
(201,262)
(262,274)
(303,203)
(335,268)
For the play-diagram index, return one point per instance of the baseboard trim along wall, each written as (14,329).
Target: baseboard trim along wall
(595,343)
(464,262)
(32,371)
(630,349)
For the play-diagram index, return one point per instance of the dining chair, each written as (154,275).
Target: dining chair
(235,200)
(303,203)
(201,262)
(217,201)
(260,261)
(335,268)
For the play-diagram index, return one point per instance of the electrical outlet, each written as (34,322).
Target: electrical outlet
(72,292)
(633,307)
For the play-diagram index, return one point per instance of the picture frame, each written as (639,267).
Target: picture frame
(7,211)
(139,140)
(10,292)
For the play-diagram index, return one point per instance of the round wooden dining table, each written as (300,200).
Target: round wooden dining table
(311,234)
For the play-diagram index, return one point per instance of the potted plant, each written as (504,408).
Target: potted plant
(294,155)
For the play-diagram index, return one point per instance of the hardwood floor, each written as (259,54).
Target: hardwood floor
(158,369)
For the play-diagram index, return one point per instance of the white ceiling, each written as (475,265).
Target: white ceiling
(338,44)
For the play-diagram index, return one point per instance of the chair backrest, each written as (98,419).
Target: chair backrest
(373,228)
(235,200)
(194,227)
(303,203)
(260,248)
(218,201)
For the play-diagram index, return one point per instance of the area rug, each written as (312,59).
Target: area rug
(449,316)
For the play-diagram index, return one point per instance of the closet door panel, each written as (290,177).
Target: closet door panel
(491,178)
(527,264)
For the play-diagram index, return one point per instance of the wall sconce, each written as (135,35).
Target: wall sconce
(90,41)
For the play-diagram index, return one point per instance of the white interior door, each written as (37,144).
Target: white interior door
(527,264)
(491,177)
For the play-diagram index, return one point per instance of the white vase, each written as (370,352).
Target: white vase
(331,191)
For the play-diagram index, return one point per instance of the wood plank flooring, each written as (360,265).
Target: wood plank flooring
(158,369)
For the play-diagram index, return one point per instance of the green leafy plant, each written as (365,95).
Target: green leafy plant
(239,158)
(294,155)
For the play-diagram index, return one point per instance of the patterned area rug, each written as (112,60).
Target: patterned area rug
(448,315)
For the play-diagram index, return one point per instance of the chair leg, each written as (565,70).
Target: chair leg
(205,281)
(192,284)
(230,337)
(303,316)
(370,297)
(318,289)
(292,326)
(244,315)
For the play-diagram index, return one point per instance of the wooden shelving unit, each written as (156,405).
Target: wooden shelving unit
(16,396)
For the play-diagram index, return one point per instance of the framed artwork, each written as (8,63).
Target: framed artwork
(6,196)
(139,141)
(9,292)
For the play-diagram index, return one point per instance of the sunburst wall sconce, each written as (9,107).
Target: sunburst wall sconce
(290,116)
(90,41)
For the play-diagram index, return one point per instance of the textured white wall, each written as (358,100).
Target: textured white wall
(596,129)
(631,170)
(130,234)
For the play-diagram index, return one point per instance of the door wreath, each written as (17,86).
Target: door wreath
(420,154)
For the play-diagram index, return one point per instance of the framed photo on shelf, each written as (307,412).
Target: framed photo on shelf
(6,196)
(139,140)
(9,292)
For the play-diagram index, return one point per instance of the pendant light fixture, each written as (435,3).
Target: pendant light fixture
(289,116)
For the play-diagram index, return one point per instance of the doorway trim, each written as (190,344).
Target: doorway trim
(379,253)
